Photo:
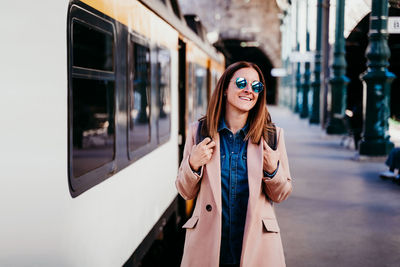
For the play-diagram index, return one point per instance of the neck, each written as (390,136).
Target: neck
(235,119)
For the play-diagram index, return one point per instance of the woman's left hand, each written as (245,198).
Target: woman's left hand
(271,157)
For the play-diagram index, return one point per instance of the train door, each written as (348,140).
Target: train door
(185,207)
(182,97)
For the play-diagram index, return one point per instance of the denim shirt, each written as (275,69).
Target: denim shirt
(234,190)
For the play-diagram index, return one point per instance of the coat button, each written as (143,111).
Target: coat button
(208,207)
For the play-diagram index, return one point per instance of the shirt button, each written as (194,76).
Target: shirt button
(208,207)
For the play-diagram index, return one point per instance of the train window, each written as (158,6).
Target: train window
(164,94)
(91,99)
(93,48)
(139,131)
(93,124)
(200,91)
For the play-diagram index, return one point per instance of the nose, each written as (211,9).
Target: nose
(247,88)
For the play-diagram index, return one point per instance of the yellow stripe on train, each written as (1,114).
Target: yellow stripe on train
(139,19)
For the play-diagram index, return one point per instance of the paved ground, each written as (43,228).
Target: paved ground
(340,212)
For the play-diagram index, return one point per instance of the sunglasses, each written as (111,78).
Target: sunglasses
(257,86)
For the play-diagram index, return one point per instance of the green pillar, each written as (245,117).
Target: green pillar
(375,140)
(316,85)
(339,80)
(285,86)
(297,105)
(307,73)
(298,72)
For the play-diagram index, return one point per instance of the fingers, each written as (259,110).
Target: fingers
(205,149)
(211,145)
(205,141)
(208,152)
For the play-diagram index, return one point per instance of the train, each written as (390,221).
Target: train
(97,99)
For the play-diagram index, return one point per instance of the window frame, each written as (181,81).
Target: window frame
(140,152)
(162,139)
(91,178)
(190,91)
(196,91)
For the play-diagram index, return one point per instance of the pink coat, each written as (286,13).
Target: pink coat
(262,245)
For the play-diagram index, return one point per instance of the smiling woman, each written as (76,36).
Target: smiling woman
(228,170)
(240,98)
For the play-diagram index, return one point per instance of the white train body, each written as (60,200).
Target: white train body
(41,224)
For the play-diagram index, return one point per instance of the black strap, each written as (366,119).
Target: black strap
(199,137)
(272,138)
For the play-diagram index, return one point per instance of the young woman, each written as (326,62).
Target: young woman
(235,176)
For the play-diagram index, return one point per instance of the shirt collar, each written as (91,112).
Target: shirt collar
(222,125)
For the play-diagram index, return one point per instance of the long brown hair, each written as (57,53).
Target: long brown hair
(259,118)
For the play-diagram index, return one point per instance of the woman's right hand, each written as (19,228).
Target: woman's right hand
(201,154)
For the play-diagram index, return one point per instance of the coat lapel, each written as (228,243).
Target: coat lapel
(254,172)
(213,169)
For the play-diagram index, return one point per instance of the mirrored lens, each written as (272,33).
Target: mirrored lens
(257,86)
(241,83)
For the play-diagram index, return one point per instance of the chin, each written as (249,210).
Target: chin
(246,108)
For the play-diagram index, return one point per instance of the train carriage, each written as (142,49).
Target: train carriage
(96,106)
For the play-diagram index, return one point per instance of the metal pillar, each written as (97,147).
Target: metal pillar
(339,80)
(299,89)
(325,62)
(298,73)
(285,92)
(375,140)
(307,73)
(316,85)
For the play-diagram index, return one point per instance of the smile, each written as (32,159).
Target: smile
(245,98)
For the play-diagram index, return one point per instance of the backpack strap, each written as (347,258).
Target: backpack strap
(272,138)
(199,137)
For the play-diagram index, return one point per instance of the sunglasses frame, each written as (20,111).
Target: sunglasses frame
(254,83)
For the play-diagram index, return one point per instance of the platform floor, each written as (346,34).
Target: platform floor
(340,212)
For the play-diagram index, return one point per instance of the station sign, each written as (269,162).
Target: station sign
(394,25)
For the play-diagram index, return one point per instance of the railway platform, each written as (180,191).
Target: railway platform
(340,212)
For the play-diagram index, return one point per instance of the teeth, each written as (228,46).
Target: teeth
(245,98)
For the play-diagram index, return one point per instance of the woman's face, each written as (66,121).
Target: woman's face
(244,99)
